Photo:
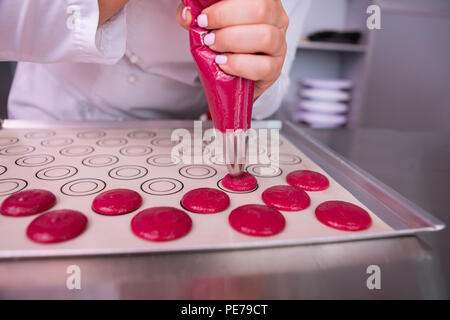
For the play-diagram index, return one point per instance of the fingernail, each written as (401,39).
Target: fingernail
(202,20)
(209,39)
(220,59)
(183,13)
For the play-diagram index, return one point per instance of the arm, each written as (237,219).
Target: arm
(269,102)
(47,31)
(109,8)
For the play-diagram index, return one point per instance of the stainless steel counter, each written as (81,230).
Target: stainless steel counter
(415,164)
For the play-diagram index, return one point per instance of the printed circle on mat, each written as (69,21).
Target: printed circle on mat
(57,142)
(161,224)
(112,142)
(83,187)
(6,141)
(57,226)
(100,160)
(198,172)
(141,134)
(76,151)
(40,134)
(164,142)
(129,172)
(16,150)
(91,134)
(343,216)
(56,173)
(162,186)
(10,186)
(287,159)
(257,220)
(194,151)
(3,169)
(264,170)
(163,160)
(36,160)
(135,151)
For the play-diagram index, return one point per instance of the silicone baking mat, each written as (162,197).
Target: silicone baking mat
(78,164)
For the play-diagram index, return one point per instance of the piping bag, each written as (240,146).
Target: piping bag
(230,98)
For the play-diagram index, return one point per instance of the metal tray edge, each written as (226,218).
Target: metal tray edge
(250,245)
(427,222)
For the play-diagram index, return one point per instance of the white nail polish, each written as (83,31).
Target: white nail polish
(202,20)
(183,13)
(209,39)
(221,59)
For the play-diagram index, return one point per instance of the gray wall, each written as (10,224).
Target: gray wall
(408,85)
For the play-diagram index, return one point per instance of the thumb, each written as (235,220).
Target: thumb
(184,16)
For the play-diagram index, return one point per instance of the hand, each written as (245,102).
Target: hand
(250,34)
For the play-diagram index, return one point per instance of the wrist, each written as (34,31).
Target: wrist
(108,8)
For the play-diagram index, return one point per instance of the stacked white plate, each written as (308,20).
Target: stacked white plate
(324,103)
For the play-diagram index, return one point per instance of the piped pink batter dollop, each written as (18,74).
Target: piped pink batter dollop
(343,216)
(116,202)
(205,200)
(286,198)
(161,224)
(27,203)
(257,220)
(57,226)
(230,98)
(242,183)
(308,180)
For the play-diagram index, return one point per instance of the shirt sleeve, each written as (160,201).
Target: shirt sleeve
(271,99)
(47,31)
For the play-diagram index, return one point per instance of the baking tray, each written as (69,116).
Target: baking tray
(391,213)
(401,214)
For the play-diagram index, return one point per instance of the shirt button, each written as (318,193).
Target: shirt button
(132,79)
(134,59)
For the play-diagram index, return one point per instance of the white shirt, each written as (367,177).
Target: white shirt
(136,66)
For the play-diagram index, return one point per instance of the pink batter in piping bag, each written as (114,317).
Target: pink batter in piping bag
(230,98)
